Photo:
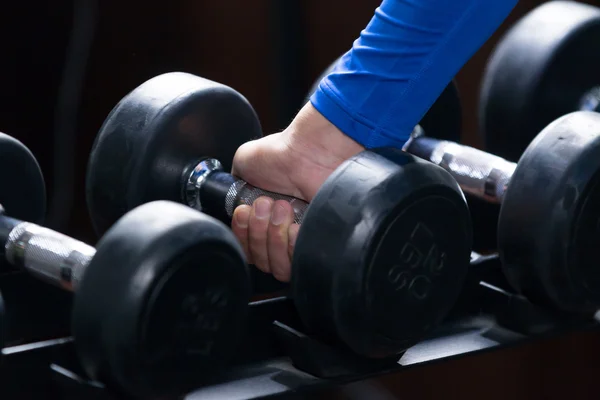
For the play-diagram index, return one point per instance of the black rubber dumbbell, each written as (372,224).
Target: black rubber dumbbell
(548,227)
(3,325)
(444,117)
(383,249)
(159,304)
(544,67)
(28,183)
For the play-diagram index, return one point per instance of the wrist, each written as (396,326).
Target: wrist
(310,131)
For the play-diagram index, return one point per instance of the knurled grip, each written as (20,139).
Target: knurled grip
(48,255)
(478,173)
(241,192)
(209,189)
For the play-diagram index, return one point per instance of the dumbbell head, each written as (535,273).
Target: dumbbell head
(548,228)
(22,192)
(22,188)
(444,117)
(544,67)
(158,132)
(3,325)
(163,302)
(382,252)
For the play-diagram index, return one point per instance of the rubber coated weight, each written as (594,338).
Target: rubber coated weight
(22,187)
(3,325)
(556,188)
(382,253)
(155,134)
(163,303)
(444,117)
(544,67)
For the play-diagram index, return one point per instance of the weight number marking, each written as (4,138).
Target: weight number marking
(420,260)
(201,319)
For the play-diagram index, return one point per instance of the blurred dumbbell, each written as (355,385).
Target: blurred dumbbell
(383,248)
(548,225)
(3,325)
(160,303)
(444,117)
(544,67)
(28,183)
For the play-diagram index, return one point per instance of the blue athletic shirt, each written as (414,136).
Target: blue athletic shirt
(401,63)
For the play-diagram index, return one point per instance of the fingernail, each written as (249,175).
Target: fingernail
(242,216)
(262,208)
(279,215)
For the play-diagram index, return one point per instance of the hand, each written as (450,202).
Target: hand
(295,162)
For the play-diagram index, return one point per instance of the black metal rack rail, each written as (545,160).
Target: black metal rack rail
(278,360)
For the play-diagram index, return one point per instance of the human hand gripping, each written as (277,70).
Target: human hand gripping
(295,162)
(376,95)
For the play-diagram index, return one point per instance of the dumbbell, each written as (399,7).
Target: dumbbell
(444,117)
(160,303)
(30,205)
(3,325)
(383,249)
(544,67)
(548,224)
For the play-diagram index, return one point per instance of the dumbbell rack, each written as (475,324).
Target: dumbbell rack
(278,358)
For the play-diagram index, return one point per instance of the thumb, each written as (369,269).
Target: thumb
(264,163)
(240,159)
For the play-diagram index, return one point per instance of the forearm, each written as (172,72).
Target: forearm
(401,63)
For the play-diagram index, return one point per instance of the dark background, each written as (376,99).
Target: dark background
(271,51)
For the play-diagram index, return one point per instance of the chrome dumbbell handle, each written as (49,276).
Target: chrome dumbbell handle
(48,255)
(478,173)
(216,192)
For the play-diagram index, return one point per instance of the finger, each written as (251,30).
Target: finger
(292,236)
(239,226)
(257,232)
(277,241)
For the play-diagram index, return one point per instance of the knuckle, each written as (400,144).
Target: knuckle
(277,236)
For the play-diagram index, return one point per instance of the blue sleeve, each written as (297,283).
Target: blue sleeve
(401,63)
